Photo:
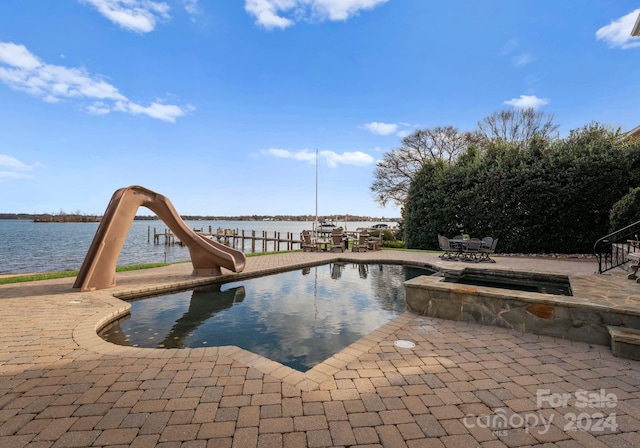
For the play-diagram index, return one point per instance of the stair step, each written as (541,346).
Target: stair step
(625,342)
(632,267)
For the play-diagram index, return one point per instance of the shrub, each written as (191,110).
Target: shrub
(394,244)
(387,235)
(626,211)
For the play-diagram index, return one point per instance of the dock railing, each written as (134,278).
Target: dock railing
(247,241)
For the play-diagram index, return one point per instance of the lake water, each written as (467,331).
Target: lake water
(29,247)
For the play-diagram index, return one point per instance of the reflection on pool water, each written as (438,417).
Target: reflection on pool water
(298,318)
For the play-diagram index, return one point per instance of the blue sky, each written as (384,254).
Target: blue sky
(221,105)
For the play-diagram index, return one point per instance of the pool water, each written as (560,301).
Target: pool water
(297,318)
(556,286)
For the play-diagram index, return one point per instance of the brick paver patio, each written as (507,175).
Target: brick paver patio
(462,385)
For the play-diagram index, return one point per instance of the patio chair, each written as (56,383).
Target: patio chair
(450,252)
(305,242)
(337,243)
(374,243)
(486,251)
(471,249)
(487,241)
(362,243)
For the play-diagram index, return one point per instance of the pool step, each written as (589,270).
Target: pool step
(625,342)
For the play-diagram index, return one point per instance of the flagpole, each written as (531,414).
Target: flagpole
(316,193)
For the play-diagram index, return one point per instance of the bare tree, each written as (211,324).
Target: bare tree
(518,125)
(393,174)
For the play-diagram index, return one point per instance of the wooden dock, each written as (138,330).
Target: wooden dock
(245,241)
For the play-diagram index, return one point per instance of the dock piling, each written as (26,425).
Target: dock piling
(236,239)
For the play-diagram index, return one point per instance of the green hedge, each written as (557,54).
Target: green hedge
(547,197)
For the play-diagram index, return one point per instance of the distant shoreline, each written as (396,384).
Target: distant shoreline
(61,218)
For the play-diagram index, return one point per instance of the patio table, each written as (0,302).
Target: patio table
(323,245)
(460,244)
(462,247)
(374,243)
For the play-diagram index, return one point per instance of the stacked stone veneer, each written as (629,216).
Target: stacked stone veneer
(564,317)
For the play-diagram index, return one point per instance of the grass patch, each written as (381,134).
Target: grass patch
(36,277)
(66,274)
(135,267)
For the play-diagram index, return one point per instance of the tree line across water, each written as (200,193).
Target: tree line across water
(80,217)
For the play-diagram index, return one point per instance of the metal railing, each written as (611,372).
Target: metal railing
(612,250)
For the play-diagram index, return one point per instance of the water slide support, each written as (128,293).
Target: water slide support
(98,270)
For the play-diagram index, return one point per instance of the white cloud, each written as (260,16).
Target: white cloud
(509,47)
(332,158)
(343,9)
(6,176)
(617,34)
(98,108)
(191,6)
(522,59)
(165,112)
(13,163)
(140,16)
(18,56)
(527,101)
(380,128)
(400,129)
(512,49)
(356,158)
(304,155)
(23,71)
(13,169)
(270,13)
(266,12)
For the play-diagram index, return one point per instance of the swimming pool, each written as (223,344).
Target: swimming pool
(297,318)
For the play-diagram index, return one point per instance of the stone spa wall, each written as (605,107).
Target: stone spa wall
(566,317)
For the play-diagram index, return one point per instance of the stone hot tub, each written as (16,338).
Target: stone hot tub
(579,316)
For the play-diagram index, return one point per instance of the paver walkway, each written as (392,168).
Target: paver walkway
(462,385)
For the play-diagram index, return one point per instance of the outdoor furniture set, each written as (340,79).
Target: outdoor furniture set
(366,242)
(337,241)
(467,249)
